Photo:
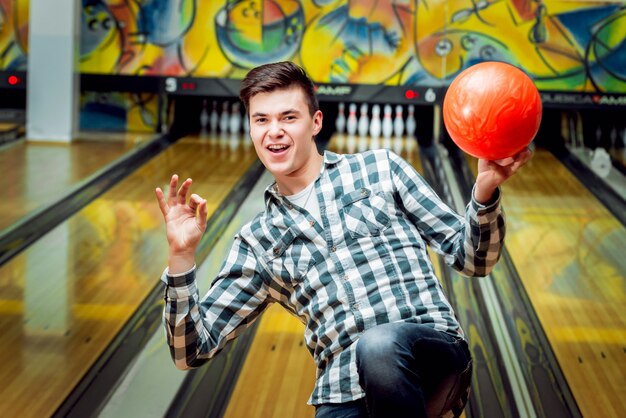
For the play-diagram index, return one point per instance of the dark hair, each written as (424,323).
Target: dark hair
(276,76)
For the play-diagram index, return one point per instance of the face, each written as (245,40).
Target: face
(282,131)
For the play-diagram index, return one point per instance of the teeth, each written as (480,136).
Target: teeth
(277,147)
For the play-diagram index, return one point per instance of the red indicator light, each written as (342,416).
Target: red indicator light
(188,86)
(410,94)
(13,80)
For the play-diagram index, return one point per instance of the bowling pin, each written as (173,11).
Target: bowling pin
(410,145)
(374,143)
(213,118)
(234,124)
(224,139)
(375,123)
(351,125)
(362,144)
(204,118)
(364,122)
(351,144)
(387,122)
(246,125)
(397,145)
(224,118)
(398,122)
(234,141)
(340,142)
(340,123)
(601,162)
(410,122)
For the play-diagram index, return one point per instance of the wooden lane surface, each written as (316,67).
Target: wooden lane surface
(10,131)
(38,173)
(5,126)
(65,298)
(569,252)
(279,373)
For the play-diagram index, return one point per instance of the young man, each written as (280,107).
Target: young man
(342,245)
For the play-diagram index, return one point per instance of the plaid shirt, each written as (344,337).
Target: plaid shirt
(366,265)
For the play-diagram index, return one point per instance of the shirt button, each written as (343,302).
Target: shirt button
(363,192)
(312,223)
(356,305)
(333,249)
(345,277)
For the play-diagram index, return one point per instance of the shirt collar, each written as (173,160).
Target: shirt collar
(271,191)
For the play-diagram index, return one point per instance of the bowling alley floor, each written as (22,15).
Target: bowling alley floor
(36,174)
(568,250)
(282,386)
(64,298)
(565,247)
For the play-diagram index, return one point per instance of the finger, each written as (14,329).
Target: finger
(523,155)
(172,192)
(527,155)
(182,192)
(202,213)
(161,200)
(194,202)
(521,159)
(504,161)
(494,166)
(517,165)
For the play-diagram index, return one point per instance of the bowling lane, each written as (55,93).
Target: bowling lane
(65,298)
(283,385)
(569,253)
(38,173)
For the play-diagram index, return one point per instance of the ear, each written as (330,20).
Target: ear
(317,122)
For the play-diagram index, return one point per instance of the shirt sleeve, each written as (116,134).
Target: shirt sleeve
(472,244)
(196,330)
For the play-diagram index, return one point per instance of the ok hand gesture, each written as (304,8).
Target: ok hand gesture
(184,222)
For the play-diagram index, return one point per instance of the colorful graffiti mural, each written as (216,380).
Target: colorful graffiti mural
(119,111)
(13,34)
(564,45)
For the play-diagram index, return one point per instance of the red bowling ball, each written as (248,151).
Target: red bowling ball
(492,110)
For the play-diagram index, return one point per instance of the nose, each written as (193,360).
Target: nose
(275,129)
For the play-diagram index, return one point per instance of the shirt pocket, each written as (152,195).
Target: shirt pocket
(365,213)
(289,258)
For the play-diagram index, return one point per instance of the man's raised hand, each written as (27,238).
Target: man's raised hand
(185,222)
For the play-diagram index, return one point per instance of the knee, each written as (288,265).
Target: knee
(378,346)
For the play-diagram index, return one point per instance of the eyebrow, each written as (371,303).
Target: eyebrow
(286,112)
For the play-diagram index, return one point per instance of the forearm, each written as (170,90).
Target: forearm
(471,245)
(484,236)
(189,342)
(197,329)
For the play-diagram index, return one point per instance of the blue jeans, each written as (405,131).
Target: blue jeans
(407,370)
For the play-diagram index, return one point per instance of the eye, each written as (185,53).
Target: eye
(290,117)
(260,120)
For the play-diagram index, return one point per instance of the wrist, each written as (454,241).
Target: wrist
(180,262)
(482,195)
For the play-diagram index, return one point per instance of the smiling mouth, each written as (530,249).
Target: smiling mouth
(276,148)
